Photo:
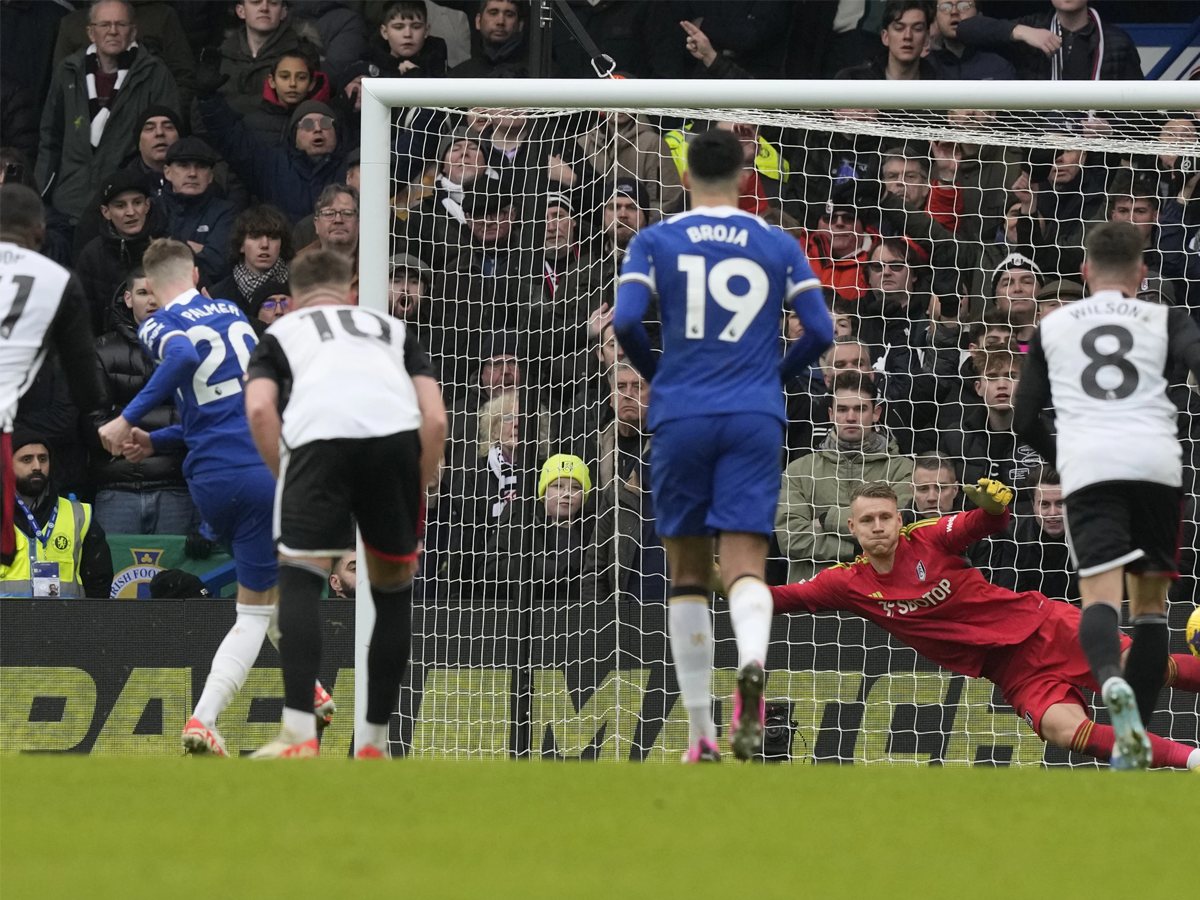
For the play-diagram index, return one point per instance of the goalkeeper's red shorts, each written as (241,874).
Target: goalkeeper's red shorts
(1047,667)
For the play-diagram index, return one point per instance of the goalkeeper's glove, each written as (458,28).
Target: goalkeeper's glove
(990,495)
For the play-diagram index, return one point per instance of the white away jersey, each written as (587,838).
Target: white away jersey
(343,372)
(31,291)
(1106,357)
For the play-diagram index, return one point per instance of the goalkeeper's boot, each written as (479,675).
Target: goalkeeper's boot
(323,707)
(288,746)
(370,751)
(1132,742)
(703,751)
(200,739)
(749,712)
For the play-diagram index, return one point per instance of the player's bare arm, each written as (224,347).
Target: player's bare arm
(262,412)
(434,426)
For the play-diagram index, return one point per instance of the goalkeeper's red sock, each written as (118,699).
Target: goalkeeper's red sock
(1096,740)
(1183,673)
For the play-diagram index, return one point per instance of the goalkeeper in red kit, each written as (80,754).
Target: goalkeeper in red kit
(913,583)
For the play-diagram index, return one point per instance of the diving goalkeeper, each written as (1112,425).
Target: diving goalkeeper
(913,583)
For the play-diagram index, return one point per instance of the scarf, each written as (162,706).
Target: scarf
(1056,61)
(249,281)
(501,468)
(100,113)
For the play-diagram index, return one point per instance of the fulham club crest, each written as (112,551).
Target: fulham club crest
(921,570)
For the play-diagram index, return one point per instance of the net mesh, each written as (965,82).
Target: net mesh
(540,626)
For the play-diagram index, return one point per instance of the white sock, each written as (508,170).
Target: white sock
(233,660)
(299,724)
(273,632)
(690,625)
(375,735)
(1194,759)
(750,610)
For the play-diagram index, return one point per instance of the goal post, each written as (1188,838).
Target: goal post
(857,694)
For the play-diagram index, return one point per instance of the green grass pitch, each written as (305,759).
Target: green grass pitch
(75,827)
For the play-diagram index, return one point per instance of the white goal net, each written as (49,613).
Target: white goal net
(495,215)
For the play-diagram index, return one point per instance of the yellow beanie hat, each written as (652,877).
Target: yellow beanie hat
(564,465)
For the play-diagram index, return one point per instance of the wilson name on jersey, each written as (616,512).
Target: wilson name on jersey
(1106,359)
(31,291)
(211,408)
(343,372)
(723,278)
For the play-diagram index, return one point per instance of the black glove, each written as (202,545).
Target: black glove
(207,78)
(197,546)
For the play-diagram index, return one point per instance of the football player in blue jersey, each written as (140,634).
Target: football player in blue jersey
(202,347)
(724,279)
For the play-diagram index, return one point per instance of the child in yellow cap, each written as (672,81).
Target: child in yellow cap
(563,487)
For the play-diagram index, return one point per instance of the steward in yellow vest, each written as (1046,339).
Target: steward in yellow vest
(60,551)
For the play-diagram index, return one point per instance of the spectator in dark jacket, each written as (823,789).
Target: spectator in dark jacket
(260,247)
(405,48)
(642,38)
(95,104)
(1066,43)
(131,223)
(340,30)
(249,53)
(905,34)
(984,440)
(750,36)
(294,79)
(147,497)
(18,118)
(290,176)
(501,28)
(159,128)
(27,31)
(197,211)
(538,547)
(158,29)
(953,60)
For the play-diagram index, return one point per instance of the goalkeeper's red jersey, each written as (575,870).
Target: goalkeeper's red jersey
(932,599)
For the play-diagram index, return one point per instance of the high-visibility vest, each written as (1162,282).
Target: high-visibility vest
(64,546)
(768,162)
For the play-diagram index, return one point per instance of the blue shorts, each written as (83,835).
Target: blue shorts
(716,473)
(238,507)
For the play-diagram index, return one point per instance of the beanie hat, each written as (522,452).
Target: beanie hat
(1010,262)
(306,108)
(23,436)
(564,465)
(157,111)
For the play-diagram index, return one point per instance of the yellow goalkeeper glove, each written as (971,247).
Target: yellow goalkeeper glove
(990,495)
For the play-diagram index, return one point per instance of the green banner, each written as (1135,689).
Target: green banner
(137,558)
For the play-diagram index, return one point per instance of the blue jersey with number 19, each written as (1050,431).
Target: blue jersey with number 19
(211,406)
(723,279)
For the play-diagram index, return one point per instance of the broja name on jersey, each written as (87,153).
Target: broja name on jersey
(723,278)
(1106,357)
(343,372)
(212,409)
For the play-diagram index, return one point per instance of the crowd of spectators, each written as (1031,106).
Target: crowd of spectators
(234,127)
